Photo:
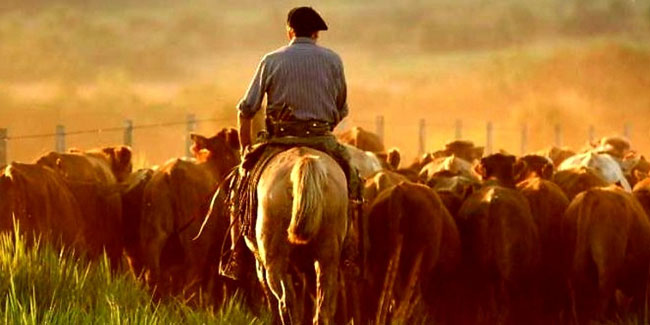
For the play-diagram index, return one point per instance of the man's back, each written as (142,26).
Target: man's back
(304,76)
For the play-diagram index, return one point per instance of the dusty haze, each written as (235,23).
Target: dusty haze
(92,64)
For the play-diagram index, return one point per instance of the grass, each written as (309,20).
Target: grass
(42,285)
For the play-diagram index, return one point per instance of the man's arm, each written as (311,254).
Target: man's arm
(245,126)
(342,96)
(252,101)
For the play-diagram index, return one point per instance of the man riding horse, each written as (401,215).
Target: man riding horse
(306,98)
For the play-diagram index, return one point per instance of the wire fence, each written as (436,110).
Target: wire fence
(113,135)
(413,137)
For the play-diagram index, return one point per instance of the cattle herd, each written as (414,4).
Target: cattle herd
(455,237)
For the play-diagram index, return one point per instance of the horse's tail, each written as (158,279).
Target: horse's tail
(308,177)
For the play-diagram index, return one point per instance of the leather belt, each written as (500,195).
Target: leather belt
(311,128)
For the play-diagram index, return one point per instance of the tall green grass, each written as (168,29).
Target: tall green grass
(42,285)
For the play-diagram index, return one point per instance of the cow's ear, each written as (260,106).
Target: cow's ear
(232,138)
(547,171)
(123,156)
(479,169)
(5,181)
(394,158)
(518,169)
(639,175)
(200,142)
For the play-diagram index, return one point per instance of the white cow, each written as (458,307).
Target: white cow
(604,165)
(366,162)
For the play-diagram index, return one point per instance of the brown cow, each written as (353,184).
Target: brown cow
(463,149)
(132,200)
(413,215)
(93,176)
(500,242)
(534,166)
(379,182)
(362,139)
(42,205)
(452,189)
(617,147)
(641,192)
(576,180)
(557,154)
(176,200)
(607,239)
(547,204)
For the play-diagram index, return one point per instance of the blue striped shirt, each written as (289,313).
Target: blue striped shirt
(307,77)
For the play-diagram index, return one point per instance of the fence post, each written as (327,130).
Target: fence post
(592,133)
(524,139)
(558,135)
(128,133)
(422,137)
(190,127)
(488,137)
(3,146)
(627,130)
(459,129)
(59,140)
(379,127)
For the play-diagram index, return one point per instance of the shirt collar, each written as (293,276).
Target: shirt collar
(302,40)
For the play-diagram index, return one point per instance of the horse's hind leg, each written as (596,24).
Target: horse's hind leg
(270,299)
(280,283)
(326,291)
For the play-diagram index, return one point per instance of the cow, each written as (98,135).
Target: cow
(452,189)
(557,154)
(547,204)
(500,241)
(408,220)
(641,192)
(462,149)
(366,162)
(603,165)
(617,147)
(576,180)
(606,234)
(362,139)
(534,166)
(175,202)
(132,191)
(41,204)
(452,164)
(390,160)
(93,177)
(635,168)
(379,182)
